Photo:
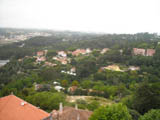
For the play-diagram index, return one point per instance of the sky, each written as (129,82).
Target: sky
(107,16)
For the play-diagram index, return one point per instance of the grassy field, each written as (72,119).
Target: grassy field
(89,99)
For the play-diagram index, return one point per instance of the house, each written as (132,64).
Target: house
(14,108)
(40,53)
(41,59)
(38,86)
(63,60)
(62,54)
(45,52)
(88,50)
(69,113)
(73,70)
(72,89)
(138,51)
(56,83)
(50,64)
(121,51)
(20,60)
(78,52)
(42,87)
(104,50)
(132,68)
(112,67)
(150,52)
(58,88)
(69,72)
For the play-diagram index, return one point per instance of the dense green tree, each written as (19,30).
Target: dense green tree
(113,112)
(47,100)
(86,66)
(153,114)
(64,83)
(147,97)
(51,53)
(75,83)
(93,105)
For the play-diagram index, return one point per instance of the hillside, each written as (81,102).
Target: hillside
(90,70)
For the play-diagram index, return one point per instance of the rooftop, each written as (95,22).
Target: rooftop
(14,108)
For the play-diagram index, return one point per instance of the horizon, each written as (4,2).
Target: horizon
(89,32)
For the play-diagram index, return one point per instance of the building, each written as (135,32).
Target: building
(56,83)
(78,52)
(139,51)
(69,113)
(38,86)
(132,68)
(88,50)
(104,50)
(62,54)
(112,67)
(58,88)
(40,53)
(73,70)
(41,59)
(72,89)
(14,108)
(62,60)
(42,87)
(50,64)
(150,52)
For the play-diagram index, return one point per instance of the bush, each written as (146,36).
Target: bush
(153,114)
(113,112)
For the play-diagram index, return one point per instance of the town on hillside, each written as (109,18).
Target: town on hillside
(79,76)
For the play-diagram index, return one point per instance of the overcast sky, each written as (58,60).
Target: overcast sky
(110,16)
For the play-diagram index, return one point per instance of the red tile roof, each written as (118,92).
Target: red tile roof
(138,51)
(150,52)
(70,113)
(14,108)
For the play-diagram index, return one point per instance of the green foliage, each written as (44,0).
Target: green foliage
(64,83)
(51,53)
(49,74)
(86,66)
(135,115)
(113,112)
(153,114)
(93,105)
(87,84)
(19,76)
(75,83)
(46,100)
(147,97)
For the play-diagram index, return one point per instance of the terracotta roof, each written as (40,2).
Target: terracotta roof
(70,113)
(79,51)
(150,52)
(14,108)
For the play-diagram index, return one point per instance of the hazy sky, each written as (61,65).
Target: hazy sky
(110,16)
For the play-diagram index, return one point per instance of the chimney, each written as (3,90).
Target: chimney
(60,108)
(78,117)
(76,106)
(51,118)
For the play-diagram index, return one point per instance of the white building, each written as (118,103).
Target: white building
(58,88)
(62,54)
